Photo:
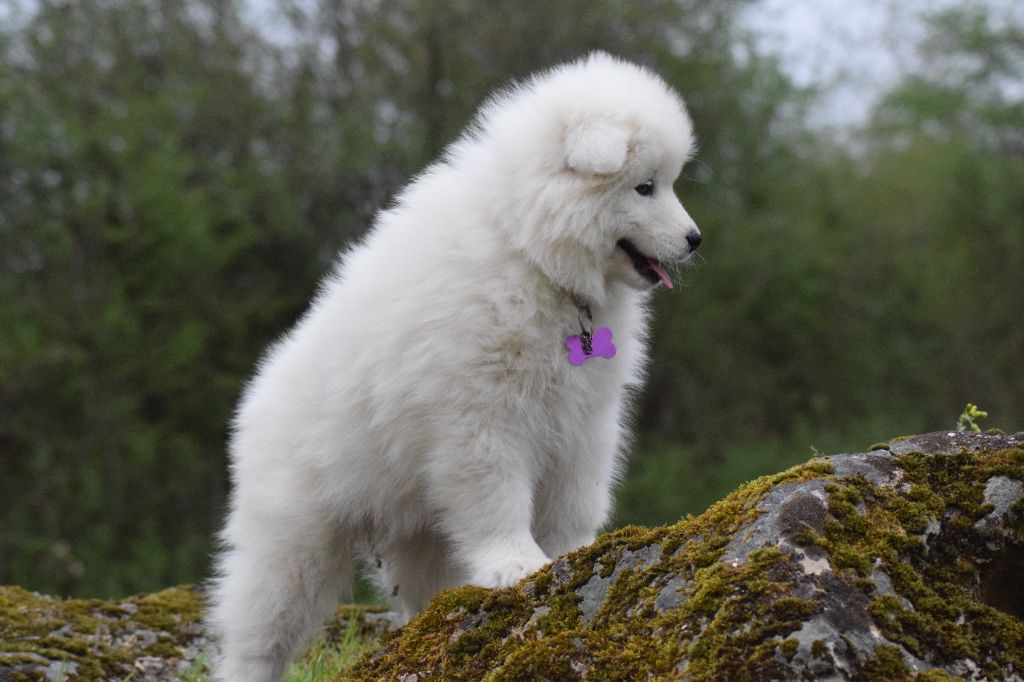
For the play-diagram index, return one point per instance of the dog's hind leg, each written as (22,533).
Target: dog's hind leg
(416,568)
(275,587)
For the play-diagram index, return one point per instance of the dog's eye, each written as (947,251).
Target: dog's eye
(646,189)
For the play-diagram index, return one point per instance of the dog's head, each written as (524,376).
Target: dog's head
(597,146)
(632,160)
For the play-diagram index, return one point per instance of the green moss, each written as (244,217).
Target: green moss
(736,619)
(935,675)
(808,538)
(945,621)
(99,638)
(545,610)
(886,664)
(742,612)
(788,647)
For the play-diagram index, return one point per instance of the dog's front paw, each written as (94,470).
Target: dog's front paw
(507,573)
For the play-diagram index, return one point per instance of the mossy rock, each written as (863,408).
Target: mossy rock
(906,562)
(148,637)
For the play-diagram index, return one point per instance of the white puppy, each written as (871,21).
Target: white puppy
(431,412)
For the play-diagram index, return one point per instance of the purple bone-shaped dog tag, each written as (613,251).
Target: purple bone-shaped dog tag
(601,344)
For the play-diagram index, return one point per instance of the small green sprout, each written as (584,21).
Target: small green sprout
(969,417)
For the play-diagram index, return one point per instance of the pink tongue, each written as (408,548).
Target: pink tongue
(656,266)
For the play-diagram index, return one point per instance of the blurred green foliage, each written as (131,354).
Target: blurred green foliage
(173,182)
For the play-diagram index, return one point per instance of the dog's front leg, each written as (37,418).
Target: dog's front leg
(574,497)
(482,486)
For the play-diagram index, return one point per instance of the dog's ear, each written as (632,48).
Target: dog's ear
(596,147)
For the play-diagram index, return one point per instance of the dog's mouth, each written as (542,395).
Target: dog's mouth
(648,266)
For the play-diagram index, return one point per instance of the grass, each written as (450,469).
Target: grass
(324,661)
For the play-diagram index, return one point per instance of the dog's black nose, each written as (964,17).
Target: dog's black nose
(693,239)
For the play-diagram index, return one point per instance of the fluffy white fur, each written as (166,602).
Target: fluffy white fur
(423,414)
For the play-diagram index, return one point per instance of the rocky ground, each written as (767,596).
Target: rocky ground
(149,638)
(904,562)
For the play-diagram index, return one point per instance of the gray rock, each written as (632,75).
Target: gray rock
(945,442)
(147,638)
(883,587)
(593,593)
(786,511)
(877,466)
(1002,493)
(840,588)
(670,596)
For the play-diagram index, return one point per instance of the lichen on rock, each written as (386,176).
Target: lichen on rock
(148,637)
(900,563)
